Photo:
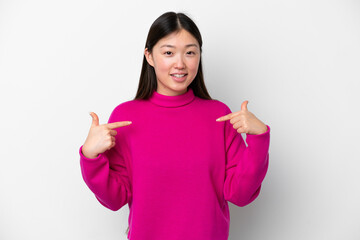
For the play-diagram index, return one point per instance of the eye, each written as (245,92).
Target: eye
(168,53)
(191,53)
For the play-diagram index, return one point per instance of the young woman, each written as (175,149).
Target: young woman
(173,154)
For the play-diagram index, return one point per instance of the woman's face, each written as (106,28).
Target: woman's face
(175,59)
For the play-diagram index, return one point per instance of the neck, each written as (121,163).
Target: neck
(172,101)
(170,93)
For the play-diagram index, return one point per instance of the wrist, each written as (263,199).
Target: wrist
(261,130)
(88,155)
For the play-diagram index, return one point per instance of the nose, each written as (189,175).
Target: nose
(180,64)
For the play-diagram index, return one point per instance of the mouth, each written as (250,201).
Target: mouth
(178,75)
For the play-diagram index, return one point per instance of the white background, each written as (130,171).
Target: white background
(296,61)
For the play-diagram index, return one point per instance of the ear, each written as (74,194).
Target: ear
(149,58)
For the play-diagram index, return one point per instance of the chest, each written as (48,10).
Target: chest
(176,144)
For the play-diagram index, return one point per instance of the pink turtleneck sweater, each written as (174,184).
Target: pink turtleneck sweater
(177,168)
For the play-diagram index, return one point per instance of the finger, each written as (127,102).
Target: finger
(237,125)
(235,119)
(118,124)
(227,117)
(244,105)
(112,139)
(241,130)
(113,132)
(112,145)
(95,119)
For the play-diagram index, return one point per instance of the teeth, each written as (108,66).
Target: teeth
(178,76)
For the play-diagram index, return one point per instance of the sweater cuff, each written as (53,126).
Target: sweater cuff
(86,158)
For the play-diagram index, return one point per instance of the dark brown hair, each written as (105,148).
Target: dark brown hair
(164,25)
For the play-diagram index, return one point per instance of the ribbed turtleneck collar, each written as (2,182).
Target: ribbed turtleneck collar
(172,101)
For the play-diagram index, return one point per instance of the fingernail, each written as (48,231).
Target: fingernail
(218,119)
(129,122)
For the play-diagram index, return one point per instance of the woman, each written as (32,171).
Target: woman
(175,155)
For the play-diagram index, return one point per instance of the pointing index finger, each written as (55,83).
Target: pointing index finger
(118,124)
(224,118)
(227,117)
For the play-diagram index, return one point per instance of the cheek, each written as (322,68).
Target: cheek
(162,64)
(193,65)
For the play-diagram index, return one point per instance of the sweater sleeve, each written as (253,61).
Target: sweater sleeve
(106,175)
(246,166)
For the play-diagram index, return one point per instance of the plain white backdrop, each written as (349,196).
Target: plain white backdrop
(296,61)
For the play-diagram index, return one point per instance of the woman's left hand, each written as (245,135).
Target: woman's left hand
(244,121)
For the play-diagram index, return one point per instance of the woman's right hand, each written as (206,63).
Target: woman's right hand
(100,137)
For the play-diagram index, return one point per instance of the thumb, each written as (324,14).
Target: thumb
(244,105)
(95,119)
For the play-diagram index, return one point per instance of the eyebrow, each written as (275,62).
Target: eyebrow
(189,45)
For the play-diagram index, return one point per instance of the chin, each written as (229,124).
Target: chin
(180,89)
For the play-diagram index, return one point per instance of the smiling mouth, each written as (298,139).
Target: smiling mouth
(179,75)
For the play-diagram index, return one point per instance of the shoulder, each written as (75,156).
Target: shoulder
(126,109)
(214,105)
(128,105)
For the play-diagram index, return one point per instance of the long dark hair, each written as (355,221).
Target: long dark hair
(164,25)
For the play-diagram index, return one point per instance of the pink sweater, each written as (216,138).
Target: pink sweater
(177,168)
